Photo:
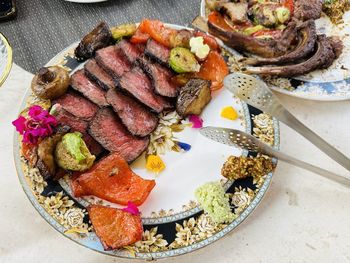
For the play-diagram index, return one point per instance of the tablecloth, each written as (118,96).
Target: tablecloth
(45,27)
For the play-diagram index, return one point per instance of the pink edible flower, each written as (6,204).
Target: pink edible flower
(197,121)
(39,124)
(132,209)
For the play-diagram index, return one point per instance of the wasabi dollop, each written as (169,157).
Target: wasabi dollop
(211,197)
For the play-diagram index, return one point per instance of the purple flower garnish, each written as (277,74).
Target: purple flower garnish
(39,124)
(197,121)
(132,209)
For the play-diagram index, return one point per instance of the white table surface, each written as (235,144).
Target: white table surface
(303,218)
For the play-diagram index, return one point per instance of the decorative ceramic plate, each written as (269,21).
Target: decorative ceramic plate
(5,58)
(331,84)
(173,222)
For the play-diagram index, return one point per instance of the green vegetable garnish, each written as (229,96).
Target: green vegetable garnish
(182,60)
(124,30)
(212,198)
(73,143)
(282,14)
(253,29)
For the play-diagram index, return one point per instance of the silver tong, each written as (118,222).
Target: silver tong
(248,142)
(256,93)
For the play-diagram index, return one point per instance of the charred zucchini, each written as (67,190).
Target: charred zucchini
(193,97)
(124,30)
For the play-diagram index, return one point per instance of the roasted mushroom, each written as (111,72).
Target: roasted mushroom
(194,96)
(50,82)
(46,162)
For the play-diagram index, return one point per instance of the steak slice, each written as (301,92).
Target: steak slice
(94,72)
(98,38)
(160,76)
(109,131)
(113,61)
(138,84)
(323,58)
(307,9)
(77,105)
(81,83)
(158,52)
(65,118)
(305,46)
(131,52)
(137,118)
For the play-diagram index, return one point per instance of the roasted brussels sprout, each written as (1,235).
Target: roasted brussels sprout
(124,30)
(50,83)
(182,60)
(282,14)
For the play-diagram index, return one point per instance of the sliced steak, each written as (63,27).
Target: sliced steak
(307,9)
(113,61)
(137,118)
(76,124)
(305,46)
(160,76)
(77,105)
(158,52)
(138,84)
(98,38)
(323,58)
(80,82)
(131,52)
(97,74)
(108,130)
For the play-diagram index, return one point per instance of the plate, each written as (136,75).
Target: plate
(173,222)
(5,58)
(332,84)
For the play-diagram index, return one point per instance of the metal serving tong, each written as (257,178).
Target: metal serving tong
(256,93)
(248,142)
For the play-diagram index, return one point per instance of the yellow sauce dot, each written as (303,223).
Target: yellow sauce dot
(229,113)
(155,164)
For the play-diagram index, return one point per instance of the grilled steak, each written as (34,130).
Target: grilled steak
(137,118)
(305,46)
(77,105)
(81,83)
(113,61)
(307,9)
(158,52)
(98,38)
(108,130)
(65,118)
(337,45)
(138,84)
(131,52)
(98,75)
(160,76)
(323,58)
(264,48)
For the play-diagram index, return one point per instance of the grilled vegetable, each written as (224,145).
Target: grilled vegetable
(50,83)
(124,30)
(264,14)
(72,153)
(253,29)
(193,97)
(214,68)
(282,14)
(181,39)
(182,60)
(199,48)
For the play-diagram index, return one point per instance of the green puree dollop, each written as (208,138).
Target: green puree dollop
(73,143)
(211,196)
